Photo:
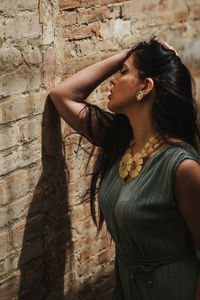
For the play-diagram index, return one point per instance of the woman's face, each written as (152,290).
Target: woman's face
(126,83)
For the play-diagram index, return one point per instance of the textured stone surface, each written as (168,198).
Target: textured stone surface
(10,57)
(24,25)
(4,243)
(19,81)
(18,107)
(11,6)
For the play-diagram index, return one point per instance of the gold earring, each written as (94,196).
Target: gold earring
(139,95)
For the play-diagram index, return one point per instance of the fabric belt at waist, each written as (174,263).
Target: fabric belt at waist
(142,265)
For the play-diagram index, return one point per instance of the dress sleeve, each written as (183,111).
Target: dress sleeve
(95,123)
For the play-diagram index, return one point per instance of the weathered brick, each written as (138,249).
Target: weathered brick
(8,137)
(32,55)
(191,54)
(84,254)
(106,255)
(83,268)
(106,44)
(91,15)
(10,57)
(8,162)
(22,106)
(153,14)
(24,25)
(149,7)
(5,6)
(191,2)
(48,32)
(25,131)
(14,260)
(18,230)
(26,234)
(70,51)
(118,29)
(103,2)
(10,7)
(4,243)
(82,242)
(12,186)
(68,4)
(4,267)
(9,286)
(16,108)
(49,68)
(18,184)
(81,32)
(1,32)
(181,16)
(67,18)
(86,47)
(30,129)
(80,214)
(181,28)
(19,81)
(97,247)
(115,12)
(129,7)
(4,216)
(196,12)
(20,207)
(85,225)
(195,26)
(70,68)
(23,156)
(28,4)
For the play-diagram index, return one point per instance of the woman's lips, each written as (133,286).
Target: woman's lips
(110,94)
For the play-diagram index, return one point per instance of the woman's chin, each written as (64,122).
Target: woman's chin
(112,107)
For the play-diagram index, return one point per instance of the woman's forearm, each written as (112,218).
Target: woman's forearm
(78,86)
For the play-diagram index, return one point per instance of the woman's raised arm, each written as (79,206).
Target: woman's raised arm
(69,97)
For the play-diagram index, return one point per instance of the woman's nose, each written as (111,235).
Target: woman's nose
(113,79)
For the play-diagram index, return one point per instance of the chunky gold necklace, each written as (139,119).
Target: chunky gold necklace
(133,164)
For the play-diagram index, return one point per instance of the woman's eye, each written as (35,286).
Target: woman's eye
(123,71)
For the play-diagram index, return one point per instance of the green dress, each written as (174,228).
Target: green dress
(156,257)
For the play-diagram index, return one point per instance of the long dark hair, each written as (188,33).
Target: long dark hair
(174,111)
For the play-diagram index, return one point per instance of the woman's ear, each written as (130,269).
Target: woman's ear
(148,86)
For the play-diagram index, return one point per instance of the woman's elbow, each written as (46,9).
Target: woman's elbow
(54,95)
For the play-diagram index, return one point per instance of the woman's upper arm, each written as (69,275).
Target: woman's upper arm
(87,119)
(187,190)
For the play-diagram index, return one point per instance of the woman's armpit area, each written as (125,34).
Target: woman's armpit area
(95,123)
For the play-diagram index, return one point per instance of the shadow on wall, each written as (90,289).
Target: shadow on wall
(102,288)
(47,251)
(47,237)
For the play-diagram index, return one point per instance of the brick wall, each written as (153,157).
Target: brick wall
(48,248)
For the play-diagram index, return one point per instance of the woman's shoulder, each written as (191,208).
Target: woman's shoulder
(189,157)
(183,157)
(183,145)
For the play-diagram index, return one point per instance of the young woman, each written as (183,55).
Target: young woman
(148,164)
